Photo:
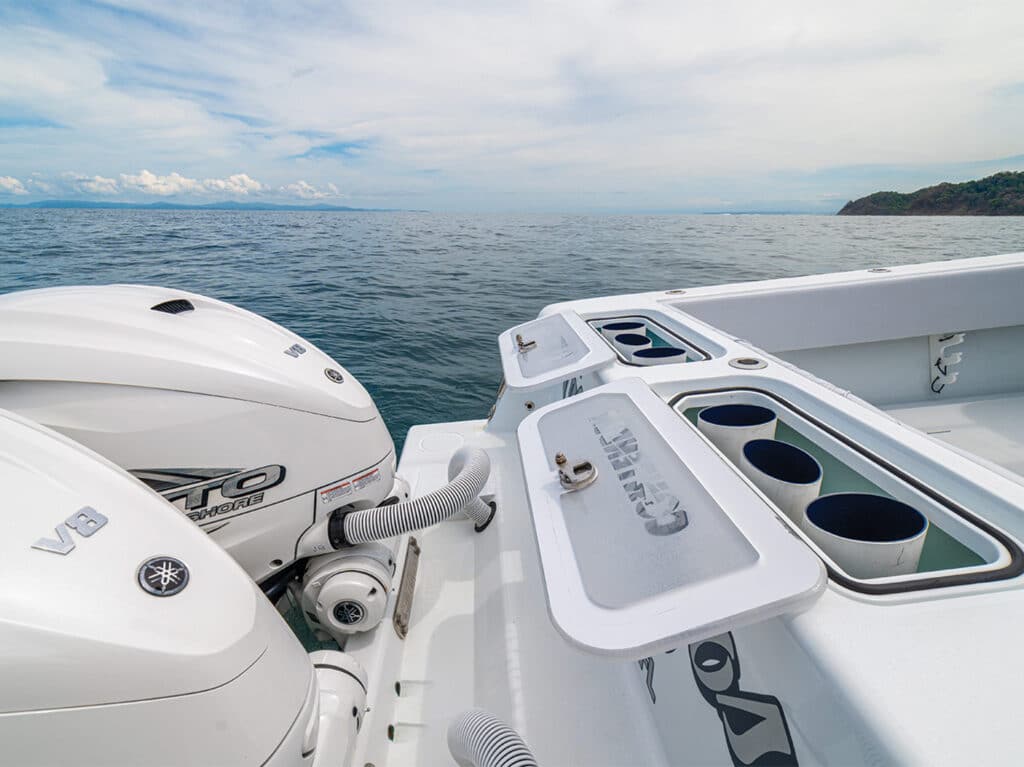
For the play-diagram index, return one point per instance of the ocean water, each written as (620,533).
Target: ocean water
(412,303)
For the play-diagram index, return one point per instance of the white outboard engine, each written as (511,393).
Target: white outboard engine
(129,638)
(251,431)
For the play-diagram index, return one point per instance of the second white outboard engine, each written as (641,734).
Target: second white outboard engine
(129,638)
(248,429)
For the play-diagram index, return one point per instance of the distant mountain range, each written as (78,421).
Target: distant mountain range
(998,195)
(227,205)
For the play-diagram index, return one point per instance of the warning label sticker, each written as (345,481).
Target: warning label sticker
(329,494)
(348,486)
(366,479)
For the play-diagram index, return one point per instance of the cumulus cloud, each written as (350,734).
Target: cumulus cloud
(150,183)
(145,181)
(11,185)
(36,183)
(306,191)
(239,183)
(87,184)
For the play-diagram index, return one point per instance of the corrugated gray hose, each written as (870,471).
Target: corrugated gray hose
(479,739)
(468,471)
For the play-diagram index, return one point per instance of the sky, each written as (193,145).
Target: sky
(507,106)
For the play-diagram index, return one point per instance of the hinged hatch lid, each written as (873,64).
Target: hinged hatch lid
(667,544)
(551,347)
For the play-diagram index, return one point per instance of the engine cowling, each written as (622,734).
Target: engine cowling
(128,636)
(250,430)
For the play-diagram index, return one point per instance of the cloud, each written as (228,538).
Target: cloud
(150,183)
(172,184)
(306,191)
(562,105)
(37,184)
(90,184)
(239,184)
(11,185)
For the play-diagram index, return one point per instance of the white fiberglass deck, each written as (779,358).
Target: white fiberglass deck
(991,428)
(913,670)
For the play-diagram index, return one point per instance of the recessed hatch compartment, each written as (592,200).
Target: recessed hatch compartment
(548,344)
(550,348)
(666,545)
(545,360)
(686,345)
(960,546)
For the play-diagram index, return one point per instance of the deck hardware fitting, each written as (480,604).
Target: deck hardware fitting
(479,528)
(579,476)
(940,360)
(406,589)
(747,363)
(524,346)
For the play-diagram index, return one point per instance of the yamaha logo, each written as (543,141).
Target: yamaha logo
(349,613)
(163,576)
(334,375)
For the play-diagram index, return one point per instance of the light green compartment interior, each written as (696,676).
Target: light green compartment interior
(657,340)
(659,336)
(941,550)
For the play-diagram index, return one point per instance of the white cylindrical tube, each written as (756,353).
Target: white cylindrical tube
(731,426)
(868,536)
(612,329)
(628,343)
(789,476)
(658,355)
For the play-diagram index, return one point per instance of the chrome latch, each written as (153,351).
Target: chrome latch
(524,346)
(577,476)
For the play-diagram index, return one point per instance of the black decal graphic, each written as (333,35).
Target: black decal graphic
(243,483)
(192,488)
(755,725)
(647,664)
(252,481)
(168,479)
(571,387)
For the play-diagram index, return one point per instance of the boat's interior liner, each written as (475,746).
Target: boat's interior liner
(981,412)
(990,427)
(876,335)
